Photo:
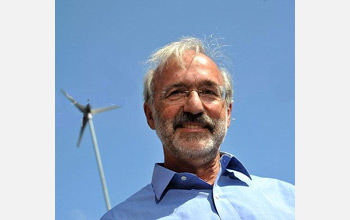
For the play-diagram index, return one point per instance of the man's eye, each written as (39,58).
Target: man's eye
(211,92)
(175,93)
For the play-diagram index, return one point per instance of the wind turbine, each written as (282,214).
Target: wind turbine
(88,112)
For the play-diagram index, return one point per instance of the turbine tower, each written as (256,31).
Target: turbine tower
(88,112)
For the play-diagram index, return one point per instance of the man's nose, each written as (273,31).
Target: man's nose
(193,103)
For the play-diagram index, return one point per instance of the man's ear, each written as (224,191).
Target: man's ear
(229,110)
(149,116)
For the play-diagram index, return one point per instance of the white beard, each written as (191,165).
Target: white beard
(202,147)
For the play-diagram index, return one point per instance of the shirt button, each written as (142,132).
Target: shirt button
(183,178)
(217,196)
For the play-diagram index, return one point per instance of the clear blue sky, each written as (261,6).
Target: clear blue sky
(100,49)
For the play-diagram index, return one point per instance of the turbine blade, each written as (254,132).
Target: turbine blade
(70,98)
(83,125)
(80,107)
(99,110)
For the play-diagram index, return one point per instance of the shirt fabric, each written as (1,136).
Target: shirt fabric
(235,195)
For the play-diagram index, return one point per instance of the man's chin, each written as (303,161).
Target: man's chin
(193,147)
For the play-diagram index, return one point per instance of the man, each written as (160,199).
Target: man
(188,102)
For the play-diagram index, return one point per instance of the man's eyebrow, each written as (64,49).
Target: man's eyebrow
(208,83)
(181,84)
(175,85)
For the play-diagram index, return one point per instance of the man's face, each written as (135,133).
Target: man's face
(191,129)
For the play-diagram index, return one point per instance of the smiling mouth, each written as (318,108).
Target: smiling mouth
(193,126)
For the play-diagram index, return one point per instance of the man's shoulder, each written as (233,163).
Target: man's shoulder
(266,181)
(272,186)
(142,198)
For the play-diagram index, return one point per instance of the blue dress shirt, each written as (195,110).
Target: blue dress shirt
(234,195)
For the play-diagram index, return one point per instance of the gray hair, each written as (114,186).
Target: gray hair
(175,50)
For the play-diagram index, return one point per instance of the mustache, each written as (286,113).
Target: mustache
(202,119)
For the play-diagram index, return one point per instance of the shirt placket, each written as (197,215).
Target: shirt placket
(223,206)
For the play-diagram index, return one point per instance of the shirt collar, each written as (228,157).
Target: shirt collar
(160,179)
(162,176)
(228,161)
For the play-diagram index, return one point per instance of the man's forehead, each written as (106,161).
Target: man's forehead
(193,65)
(190,58)
(202,59)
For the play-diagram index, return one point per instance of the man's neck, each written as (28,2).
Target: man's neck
(206,172)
